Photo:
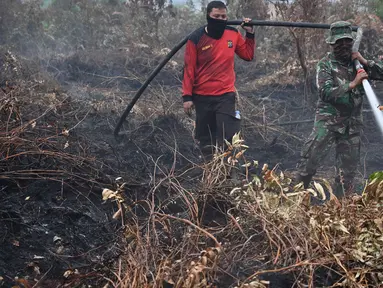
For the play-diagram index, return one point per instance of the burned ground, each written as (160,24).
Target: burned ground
(59,153)
(60,225)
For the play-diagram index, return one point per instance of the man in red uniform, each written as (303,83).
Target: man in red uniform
(209,77)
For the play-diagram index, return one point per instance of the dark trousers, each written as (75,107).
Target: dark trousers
(318,146)
(215,120)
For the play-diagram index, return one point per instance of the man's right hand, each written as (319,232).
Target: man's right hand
(360,76)
(188,107)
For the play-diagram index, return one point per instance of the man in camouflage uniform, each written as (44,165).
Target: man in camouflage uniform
(338,116)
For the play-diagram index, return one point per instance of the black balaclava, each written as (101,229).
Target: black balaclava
(342,51)
(215,27)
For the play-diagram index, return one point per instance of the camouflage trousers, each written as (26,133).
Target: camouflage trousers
(317,147)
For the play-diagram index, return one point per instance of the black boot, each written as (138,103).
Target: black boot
(305,179)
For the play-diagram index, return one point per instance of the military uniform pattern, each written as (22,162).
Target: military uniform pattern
(338,119)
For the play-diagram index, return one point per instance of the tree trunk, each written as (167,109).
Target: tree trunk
(300,43)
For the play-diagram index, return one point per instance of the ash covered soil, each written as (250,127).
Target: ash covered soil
(57,233)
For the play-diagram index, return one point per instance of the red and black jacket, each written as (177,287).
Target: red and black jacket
(209,63)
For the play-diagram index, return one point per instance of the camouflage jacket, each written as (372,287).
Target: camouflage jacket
(339,108)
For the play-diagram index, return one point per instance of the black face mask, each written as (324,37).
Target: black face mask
(215,27)
(342,51)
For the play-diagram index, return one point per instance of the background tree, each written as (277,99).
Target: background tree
(304,11)
(150,13)
(254,9)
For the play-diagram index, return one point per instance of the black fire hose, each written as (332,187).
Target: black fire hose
(182,43)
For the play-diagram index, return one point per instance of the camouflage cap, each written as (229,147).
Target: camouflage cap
(339,30)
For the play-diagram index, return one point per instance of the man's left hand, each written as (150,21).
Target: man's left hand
(357,55)
(249,29)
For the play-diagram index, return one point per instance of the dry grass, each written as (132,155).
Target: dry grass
(343,236)
(208,232)
(263,222)
(34,141)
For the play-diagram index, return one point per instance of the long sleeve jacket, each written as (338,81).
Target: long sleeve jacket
(209,63)
(338,106)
